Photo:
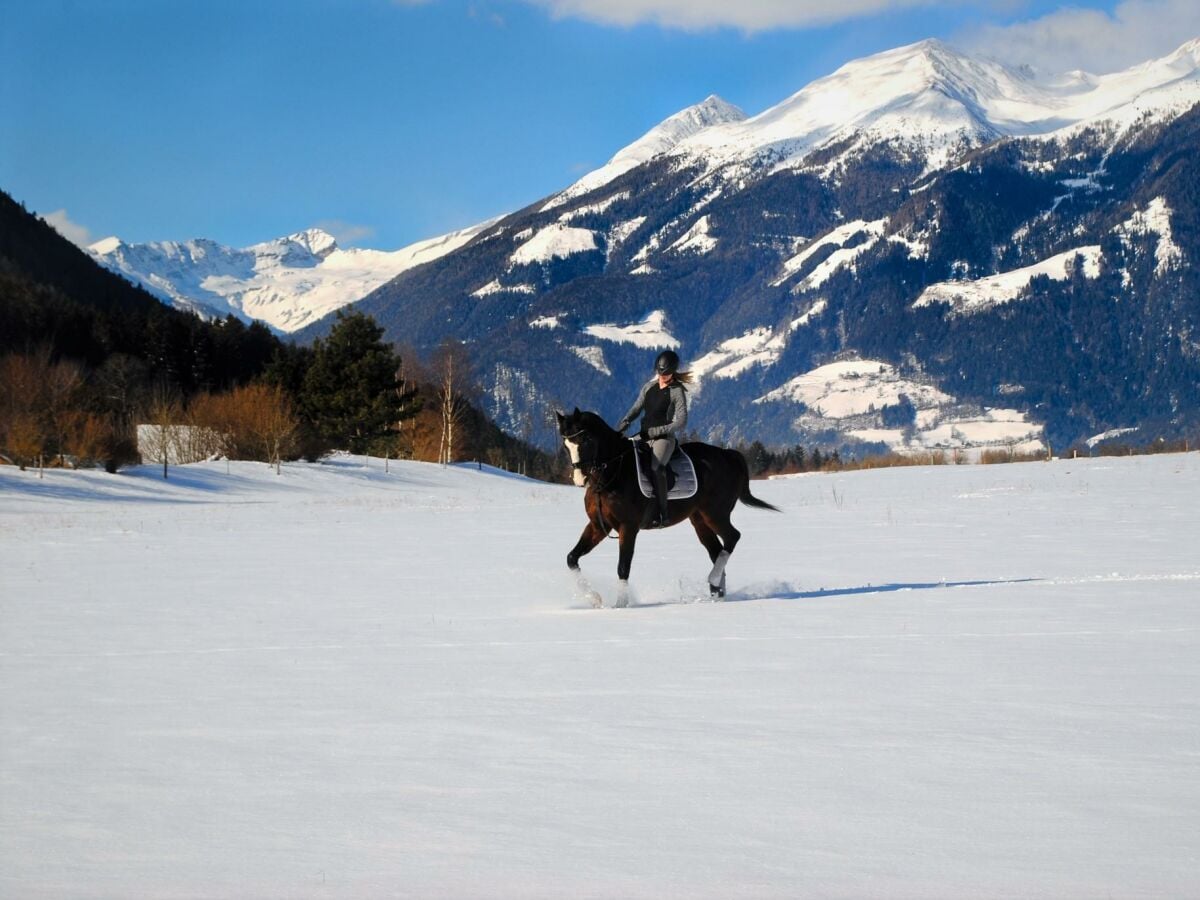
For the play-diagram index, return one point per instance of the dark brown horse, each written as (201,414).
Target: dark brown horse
(603,461)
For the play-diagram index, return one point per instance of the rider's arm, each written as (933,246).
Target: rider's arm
(636,409)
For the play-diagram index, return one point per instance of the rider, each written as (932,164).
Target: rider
(663,400)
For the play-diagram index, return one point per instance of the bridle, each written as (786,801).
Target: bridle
(594,473)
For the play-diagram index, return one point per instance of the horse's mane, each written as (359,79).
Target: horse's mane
(593,422)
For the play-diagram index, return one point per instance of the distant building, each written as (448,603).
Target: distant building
(180,444)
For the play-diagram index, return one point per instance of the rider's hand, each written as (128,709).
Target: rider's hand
(644,434)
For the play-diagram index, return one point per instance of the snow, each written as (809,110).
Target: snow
(593,208)
(555,241)
(841,257)
(697,239)
(958,681)
(984,293)
(287,283)
(918,248)
(650,333)
(852,387)
(994,429)
(1109,435)
(731,358)
(924,92)
(546,322)
(495,287)
(594,357)
(850,396)
(760,346)
(813,311)
(622,230)
(106,245)
(1155,219)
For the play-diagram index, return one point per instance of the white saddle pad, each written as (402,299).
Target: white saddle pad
(685,476)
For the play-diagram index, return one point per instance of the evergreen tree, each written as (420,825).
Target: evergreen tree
(759,458)
(350,393)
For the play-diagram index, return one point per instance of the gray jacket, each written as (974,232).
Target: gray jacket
(677,410)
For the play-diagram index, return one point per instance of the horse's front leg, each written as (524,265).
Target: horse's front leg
(628,537)
(588,541)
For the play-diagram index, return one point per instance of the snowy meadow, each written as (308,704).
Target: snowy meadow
(969,681)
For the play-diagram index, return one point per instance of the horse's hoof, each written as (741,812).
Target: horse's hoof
(622,595)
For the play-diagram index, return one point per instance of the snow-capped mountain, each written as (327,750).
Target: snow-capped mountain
(931,97)
(287,283)
(923,250)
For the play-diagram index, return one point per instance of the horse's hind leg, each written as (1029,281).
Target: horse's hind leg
(729,537)
(707,536)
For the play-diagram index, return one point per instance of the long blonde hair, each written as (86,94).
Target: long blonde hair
(683,377)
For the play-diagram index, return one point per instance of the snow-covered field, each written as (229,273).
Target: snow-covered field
(972,681)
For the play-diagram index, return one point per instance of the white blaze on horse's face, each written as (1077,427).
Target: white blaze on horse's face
(576,473)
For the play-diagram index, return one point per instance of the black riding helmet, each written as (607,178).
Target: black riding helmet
(667,363)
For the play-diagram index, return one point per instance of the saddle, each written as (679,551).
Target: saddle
(681,474)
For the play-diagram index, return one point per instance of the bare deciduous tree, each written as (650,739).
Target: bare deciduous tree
(165,414)
(252,422)
(36,395)
(62,383)
(274,424)
(452,369)
(87,436)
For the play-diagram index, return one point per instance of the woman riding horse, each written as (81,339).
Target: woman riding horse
(662,404)
(602,460)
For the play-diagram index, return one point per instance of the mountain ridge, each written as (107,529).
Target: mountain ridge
(287,283)
(774,246)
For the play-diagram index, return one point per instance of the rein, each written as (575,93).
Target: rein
(589,470)
(598,483)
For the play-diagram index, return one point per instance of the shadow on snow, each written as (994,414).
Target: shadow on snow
(786,593)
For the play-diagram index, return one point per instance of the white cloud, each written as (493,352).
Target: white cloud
(747,15)
(346,233)
(1090,39)
(72,231)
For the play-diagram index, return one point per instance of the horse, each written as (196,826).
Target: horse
(602,460)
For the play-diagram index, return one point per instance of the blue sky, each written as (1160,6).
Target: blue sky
(387,122)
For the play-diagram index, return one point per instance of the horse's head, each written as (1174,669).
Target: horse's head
(585,436)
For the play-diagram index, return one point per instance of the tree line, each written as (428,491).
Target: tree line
(349,391)
(86,357)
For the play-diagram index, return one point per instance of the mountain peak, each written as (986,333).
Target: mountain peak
(106,245)
(316,241)
(711,112)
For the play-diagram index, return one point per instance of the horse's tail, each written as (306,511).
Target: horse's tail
(744,493)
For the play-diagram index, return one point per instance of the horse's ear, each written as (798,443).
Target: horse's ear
(575,415)
(561,418)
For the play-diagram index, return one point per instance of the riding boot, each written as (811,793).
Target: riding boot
(660,492)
